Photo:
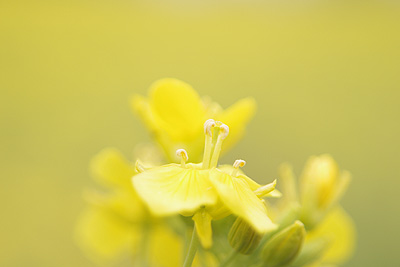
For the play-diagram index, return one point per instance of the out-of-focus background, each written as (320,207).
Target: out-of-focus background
(325,74)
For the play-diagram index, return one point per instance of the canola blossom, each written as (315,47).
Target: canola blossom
(174,113)
(181,207)
(204,191)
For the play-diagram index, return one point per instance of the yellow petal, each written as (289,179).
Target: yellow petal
(274,194)
(165,247)
(121,203)
(105,237)
(112,169)
(241,200)
(340,228)
(288,182)
(265,189)
(318,181)
(171,189)
(141,106)
(229,169)
(202,222)
(236,117)
(178,107)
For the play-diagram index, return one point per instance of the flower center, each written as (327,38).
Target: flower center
(215,133)
(212,147)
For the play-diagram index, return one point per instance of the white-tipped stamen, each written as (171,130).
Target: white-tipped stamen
(182,154)
(208,126)
(139,166)
(223,133)
(239,163)
(208,131)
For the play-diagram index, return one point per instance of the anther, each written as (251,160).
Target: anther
(208,125)
(139,166)
(224,131)
(238,164)
(181,153)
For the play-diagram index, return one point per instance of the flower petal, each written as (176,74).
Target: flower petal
(178,107)
(236,117)
(171,189)
(112,169)
(202,222)
(241,200)
(105,237)
(340,229)
(165,247)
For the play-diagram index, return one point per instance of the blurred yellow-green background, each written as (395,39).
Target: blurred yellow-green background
(325,74)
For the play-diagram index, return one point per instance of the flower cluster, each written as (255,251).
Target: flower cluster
(166,213)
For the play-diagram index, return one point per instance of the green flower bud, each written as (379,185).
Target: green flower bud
(283,247)
(243,237)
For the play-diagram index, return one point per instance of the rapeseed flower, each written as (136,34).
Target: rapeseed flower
(331,232)
(203,190)
(145,211)
(117,225)
(174,113)
(321,187)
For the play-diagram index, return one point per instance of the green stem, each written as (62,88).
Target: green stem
(194,243)
(229,259)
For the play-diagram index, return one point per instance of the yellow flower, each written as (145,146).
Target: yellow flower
(117,224)
(339,229)
(331,232)
(321,187)
(331,243)
(174,113)
(204,191)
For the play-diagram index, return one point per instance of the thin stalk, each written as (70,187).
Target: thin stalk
(194,243)
(217,151)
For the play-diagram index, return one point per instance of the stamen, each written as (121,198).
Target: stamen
(224,130)
(181,153)
(208,130)
(139,166)
(265,189)
(223,133)
(208,125)
(239,163)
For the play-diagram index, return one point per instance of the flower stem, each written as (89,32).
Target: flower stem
(192,249)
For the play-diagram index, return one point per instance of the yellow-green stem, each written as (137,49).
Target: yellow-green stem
(194,243)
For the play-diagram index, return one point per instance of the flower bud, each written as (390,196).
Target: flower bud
(283,247)
(322,186)
(243,237)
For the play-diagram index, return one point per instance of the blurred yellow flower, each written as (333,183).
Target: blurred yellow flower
(117,225)
(339,229)
(204,191)
(330,238)
(321,187)
(174,113)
